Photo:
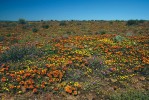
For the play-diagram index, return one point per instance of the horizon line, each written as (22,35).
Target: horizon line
(76,20)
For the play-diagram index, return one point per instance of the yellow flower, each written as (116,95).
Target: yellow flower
(76,84)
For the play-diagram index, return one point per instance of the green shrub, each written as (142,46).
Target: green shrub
(9,35)
(144,71)
(130,95)
(47,49)
(1,38)
(34,30)
(78,23)
(134,22)
(129,34)
(17,52)
(26,26)
(62,23)
(101,32)
(96,64)
(74,75)
(110,22)
(14,40)
(118,38)
(46,26)
(22,21)
(70,32)
(141,21)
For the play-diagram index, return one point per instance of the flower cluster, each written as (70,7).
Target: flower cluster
(119,59)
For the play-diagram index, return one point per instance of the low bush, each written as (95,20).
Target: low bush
(62,23)
(17,52)
(101,32)
(22,21)
(134,22)
(46,26)
(9,35)
(118,38)
(1,38)
(130,95)
(96,65)
(34,30)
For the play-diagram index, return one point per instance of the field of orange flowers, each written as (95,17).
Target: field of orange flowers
(75,64)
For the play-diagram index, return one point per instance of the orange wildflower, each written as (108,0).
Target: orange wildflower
(68,89)
(43,72)
(43,86)
(43,82)
(7,68)
(113,69)
(3,65)
(75,92)
(31,86)
(18,87)
(51,80)
(21,72)
(18,79)
(2,70)
(34,90)
(65,68)
(49,75)
(35,70)
(69,62)
(22,83)
(47,65)
(27,74)
(55,89)
(58,45)
(145,60)
(30,81)
(55,73)
(11,86)
(12,75)
(3,79)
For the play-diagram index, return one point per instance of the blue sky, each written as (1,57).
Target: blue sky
(74,9)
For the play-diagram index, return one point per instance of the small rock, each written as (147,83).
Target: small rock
(90,96)
(134,80)
(138,85)
(23,89)
(47,97)
(113,80)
